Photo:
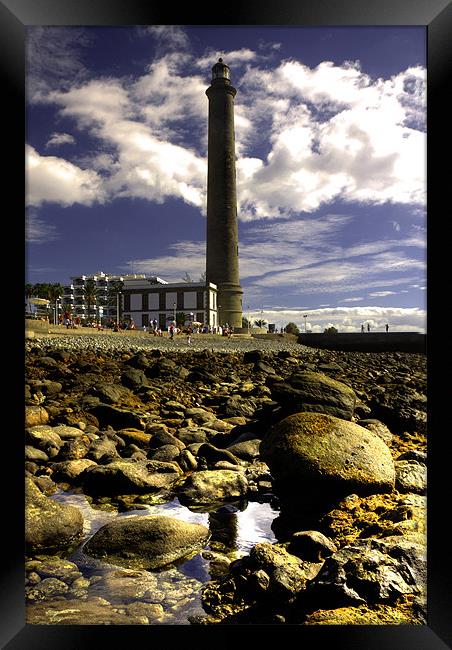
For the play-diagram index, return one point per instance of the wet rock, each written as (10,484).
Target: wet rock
(313,391)
(147,542)
(213,486)
(49,526)
(324,454)
(47,588)
(403,409)
(127,476)
(45,386)
(411,476)
(56,567)
(67,433)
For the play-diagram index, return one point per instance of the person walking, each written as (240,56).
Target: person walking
(387,327)
(368,327)
(171,331)
(362,328)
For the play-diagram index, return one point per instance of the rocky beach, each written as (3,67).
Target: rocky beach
(225,481)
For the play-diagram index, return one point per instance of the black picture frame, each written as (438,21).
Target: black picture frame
(436,16)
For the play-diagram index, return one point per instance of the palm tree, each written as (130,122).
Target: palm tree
(54,292)
(90,295)
(114,291)
(260,322)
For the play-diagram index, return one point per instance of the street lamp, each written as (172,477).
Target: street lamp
(174,313)
(305,317)
(117,306)
(249,324)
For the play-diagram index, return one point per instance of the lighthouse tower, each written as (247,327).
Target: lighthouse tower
(222,231)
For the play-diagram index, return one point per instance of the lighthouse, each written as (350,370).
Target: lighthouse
(222,254)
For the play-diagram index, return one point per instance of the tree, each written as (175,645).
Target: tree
(187,277)
(90,295)
(114,290)
(246,322)
(202,277)
(260,322)
(330,330)
(291,328)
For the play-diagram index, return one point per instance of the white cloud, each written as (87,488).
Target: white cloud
(382,294)
(37,231)
(56,180)
(352,299)
(57,139)
(349,319)
(330,132)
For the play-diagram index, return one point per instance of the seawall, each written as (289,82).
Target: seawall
(367,341)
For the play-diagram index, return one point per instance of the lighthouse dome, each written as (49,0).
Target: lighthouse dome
(221,71)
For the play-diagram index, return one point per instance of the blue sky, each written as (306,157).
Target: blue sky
(331,166)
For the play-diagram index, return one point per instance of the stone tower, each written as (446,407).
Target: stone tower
(222,231)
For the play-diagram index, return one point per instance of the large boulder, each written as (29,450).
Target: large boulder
(146,542)
(327,456)
(211,486)
(314,391)
(127,476)
(49,526)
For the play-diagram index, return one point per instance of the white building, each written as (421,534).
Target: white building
(145,301)
(142,299)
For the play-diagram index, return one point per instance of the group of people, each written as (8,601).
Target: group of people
(368,327)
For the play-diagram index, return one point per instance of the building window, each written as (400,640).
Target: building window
(162,319)
(144,320)
(200,316)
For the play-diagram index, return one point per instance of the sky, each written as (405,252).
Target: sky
(330,127)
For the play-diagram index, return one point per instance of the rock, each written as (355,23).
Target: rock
(74,449)
(103,450)
(146,542)
(46,589)
(165,453)
(35,455)
(134,378)
(311,545)
(164,437)
(213,454)
(402,410)
(261,366)
(45,386)
(117,418)
(113,393)
(327,456)
(189,435)
(198,373)
(411,476)
(187,461)
(246,450)
(44,437)
(414,454)
(49,526)
(68,432)
(252,356)
(127,476)
(35,415)
(377,427)
(136,437)
(370,571)
(213,486)
(313,391)
(69,470)
(56,567)
(237,406)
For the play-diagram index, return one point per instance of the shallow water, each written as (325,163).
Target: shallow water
(235,529)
